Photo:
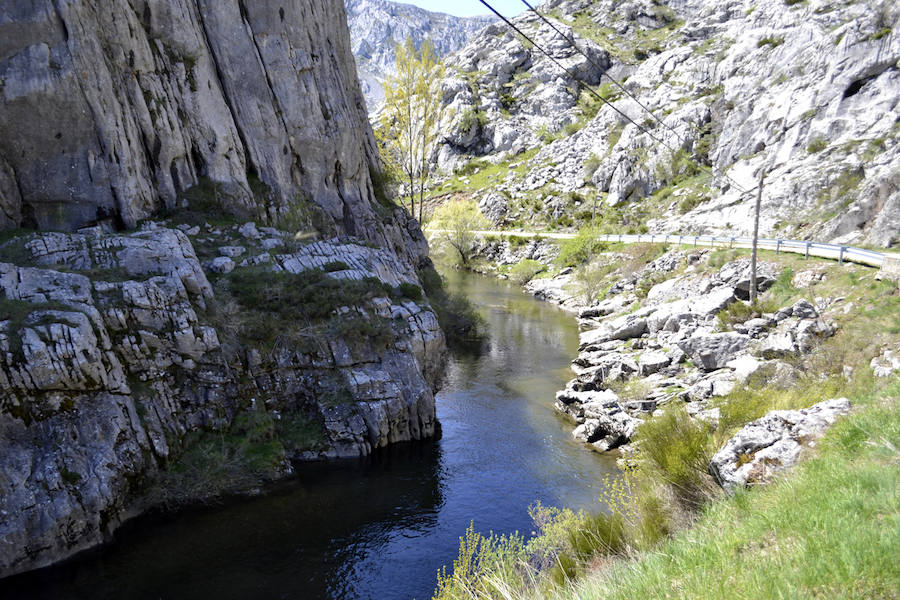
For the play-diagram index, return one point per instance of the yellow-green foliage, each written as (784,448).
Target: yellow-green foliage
(580,249)
(457,222)
(676,450)
(526,270)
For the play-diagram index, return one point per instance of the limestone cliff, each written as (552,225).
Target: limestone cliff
(806,90)
(201,354)
(108,113)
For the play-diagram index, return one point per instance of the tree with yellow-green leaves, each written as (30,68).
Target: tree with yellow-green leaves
(456,222)
(411,120)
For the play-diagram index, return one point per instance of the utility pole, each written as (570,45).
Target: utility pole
(762,175)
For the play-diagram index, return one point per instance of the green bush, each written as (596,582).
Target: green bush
(526,270)
(463,327)
(817,145)
(472,119)
(770,41)
(581,248)
(334,266)
(675,451)
(410,290)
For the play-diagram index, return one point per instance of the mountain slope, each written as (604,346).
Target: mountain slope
(377,26)
(807,90)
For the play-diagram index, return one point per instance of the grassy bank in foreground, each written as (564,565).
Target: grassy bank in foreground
(829,529)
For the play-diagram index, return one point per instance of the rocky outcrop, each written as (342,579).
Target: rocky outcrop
(109,115)
(119,353)
(637,355)
(773,443)
(378,26)
(806,90)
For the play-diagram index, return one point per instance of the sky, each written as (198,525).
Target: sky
(469,8)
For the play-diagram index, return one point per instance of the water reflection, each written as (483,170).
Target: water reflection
(381,527)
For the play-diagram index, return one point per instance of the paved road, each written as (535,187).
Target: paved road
(837,252)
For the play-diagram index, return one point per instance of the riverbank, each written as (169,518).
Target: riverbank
(821,331)
(379,526)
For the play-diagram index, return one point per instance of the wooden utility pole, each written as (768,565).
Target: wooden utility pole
(762,175)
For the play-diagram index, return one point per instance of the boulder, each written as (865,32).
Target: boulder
(713,351)
(653,362)
(222,265)
(772,443)
(886,364)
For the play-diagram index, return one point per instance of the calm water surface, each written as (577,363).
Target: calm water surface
(380,527)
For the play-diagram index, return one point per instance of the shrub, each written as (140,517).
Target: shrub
(334,266)
(675,451)
(581,248)
(463,327)
(817,144)
(526,270)
(590,281)
(410,290)
(770,41)
(472,119)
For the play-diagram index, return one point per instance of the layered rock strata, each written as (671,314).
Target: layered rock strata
(118,351)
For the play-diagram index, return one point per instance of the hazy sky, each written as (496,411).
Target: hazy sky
(467,8)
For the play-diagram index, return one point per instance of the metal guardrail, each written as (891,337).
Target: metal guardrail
(833,251)
(836,252)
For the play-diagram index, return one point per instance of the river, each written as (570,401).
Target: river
(380,527)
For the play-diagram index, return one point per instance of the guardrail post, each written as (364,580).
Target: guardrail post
(695,241)
(680,238)
(732,243)
(841,255)
(807,251)
(620,238)
(651,238)
(778,247)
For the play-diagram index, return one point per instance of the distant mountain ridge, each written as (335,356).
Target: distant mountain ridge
(377,26)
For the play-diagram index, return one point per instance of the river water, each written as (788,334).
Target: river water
(380,527)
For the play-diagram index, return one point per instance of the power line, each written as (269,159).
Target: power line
(573,76)
(604,71)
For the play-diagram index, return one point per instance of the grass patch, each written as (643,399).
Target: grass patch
(769,40)
(817,145)
(826,531)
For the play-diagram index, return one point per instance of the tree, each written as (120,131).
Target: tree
(457,221)
(412,117)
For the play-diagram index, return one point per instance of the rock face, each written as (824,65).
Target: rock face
(634,359)
(377,26)
(773,443)
(119,352)
(109,115)
(807,89)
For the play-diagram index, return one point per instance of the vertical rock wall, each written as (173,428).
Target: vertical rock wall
(111,110)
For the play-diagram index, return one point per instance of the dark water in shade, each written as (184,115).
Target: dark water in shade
(381,527)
